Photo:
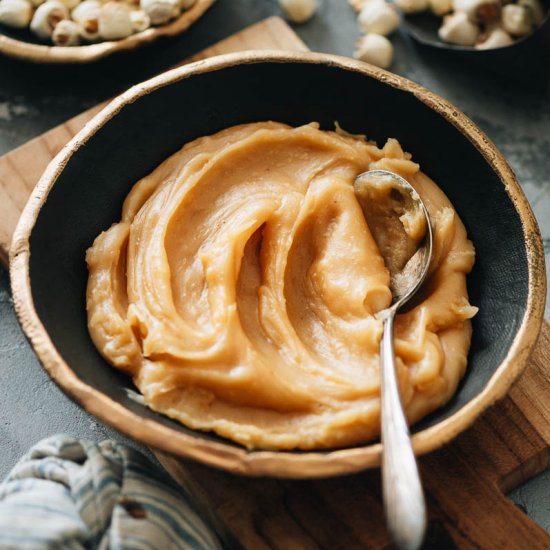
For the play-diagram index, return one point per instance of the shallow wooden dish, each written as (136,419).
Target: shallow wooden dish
(22,44)
(82,190)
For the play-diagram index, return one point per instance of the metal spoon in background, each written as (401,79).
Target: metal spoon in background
(400,224)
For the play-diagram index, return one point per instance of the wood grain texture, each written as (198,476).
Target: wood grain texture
(465,484)
(21,168)
(465,481)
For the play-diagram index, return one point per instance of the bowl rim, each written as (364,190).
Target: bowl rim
(41,53)
(311,464)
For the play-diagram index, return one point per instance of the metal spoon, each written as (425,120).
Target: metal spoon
(404,503)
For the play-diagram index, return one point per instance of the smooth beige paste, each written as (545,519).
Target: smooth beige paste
(241,286)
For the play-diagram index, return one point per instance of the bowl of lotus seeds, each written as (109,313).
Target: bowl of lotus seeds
(79,31)
(478,24)
(511,37)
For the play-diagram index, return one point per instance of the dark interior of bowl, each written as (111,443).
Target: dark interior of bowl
(88,195)
(24,35)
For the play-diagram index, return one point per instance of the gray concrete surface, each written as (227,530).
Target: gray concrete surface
(514,113)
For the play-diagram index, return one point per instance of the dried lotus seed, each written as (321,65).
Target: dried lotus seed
(299,11)
(47,16)
(114,21)
(458,29)
(516,20)
(374,49)
(140,20)
(86,14)
(66,33)
(15,13)
(496,38)
(379,18)
(160,11)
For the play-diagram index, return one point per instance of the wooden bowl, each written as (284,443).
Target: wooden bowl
(22,44)
(82,190)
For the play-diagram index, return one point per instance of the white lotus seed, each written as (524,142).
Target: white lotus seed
(66,33)
(496,38)
(84,9)
(47,16)
(516,20)
(299,11)
(374,49)
(379,18)
(15,13)
(160,11)
(140,20)
(458,29)
(114,21)
(86,14)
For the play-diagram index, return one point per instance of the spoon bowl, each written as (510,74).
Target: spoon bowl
(408,275)
(404,502)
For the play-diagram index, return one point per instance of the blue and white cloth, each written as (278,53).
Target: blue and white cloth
(75,494)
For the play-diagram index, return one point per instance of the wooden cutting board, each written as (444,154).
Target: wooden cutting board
(465,482)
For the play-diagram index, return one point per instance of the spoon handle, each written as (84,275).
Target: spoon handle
(403,497)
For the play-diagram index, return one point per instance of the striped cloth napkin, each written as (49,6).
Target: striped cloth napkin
(68,493)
